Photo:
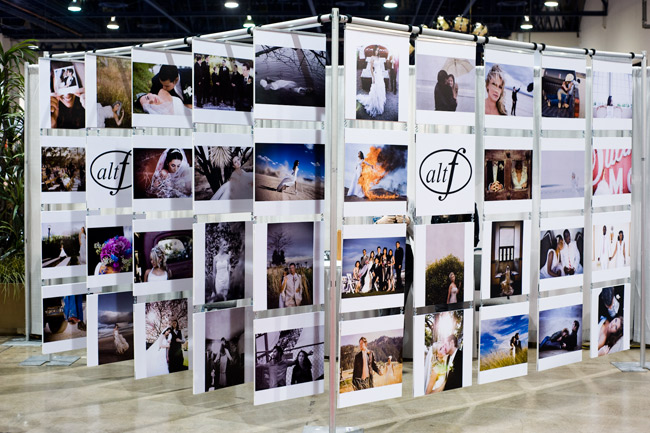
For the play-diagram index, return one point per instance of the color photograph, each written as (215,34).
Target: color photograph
(612,95)
(564,93)
(64,318)
(63,169)
(377,67)
(162,255)
(611,172)
(560,331)
(115,327)
(562,174)
(113,92)
(610,318)
(110,250)
(443,356)
(63,244)
(225,261)
(162,89)
(445,83)
(611,245)
(162,173)
(223,83)
(508,174)
(504,342)
(67,97)
(445,264)
(506,265)
(223,173)
(509,90)
(166,337)
(224,348)
(561,252)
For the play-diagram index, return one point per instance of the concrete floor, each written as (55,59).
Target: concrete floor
(591,396)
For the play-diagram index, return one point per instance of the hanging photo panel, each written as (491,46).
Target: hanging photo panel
(373,268)
(505,268)
(442,351)
(375,177)
(564,92)
(291,257)
(63,170)
(110,173)
(562,174)
(162,173)
(64,317)
(220,349)
(610,320)
(561,252)
(371,363)
(162,337)
(508,179)
(108,92)
(444,264)
(560,331)
(289,357)
(110,250)
(223,262)
(223,173)
(162,256)
(503,342)
(445,75)
(612,94)
(223,82)
(62,94)
(445,177)
(110,328)
(63,244)
(612,248)
(376,88)
(611,178)
(508,89)
(162,88)
(289,75)
(289,172)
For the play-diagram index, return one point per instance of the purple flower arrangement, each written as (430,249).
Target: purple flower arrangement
(116,253)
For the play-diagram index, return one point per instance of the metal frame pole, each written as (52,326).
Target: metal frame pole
(644,231)
(27,215)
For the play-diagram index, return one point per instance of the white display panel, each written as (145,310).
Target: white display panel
(501,354)
(563,264)
(611,256)
(62,96)
(611,173)
(162,173)
(64,317)
(109,172)
(277,247)
(371,56)
(110,328)
(108,92)
(507,72)
(384,372)
(446,363)
(564,92)
(285,378)
(557,314)
(505,266)
(63,244)
(375,184)
(612,94)
(223,173)
(289,75)
(562,166)
(63,164)
(445,178)
(281,186)
(441,99)
(109,250)
(162,99)
(235,58)
(444,247)
(610,323)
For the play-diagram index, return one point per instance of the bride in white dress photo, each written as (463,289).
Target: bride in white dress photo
(239,186)
(157,355)
(355,187)
(162,103)
(172,177)
(291,179)
(375,100)
(221,271)
(121,345)
(159,271)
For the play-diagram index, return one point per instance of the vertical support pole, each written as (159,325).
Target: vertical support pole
(333,221)
(644,156)
(27,215)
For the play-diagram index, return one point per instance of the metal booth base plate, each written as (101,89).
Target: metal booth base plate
(631,367)
(35,361)
(325,429)
(63,361)
(22,342)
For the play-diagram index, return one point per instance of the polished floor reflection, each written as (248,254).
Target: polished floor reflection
(587,397)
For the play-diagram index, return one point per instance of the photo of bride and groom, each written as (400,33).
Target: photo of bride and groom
(162,89)
(166,337)
(560,330)
(377,83)
(503,341)
(561,252)
(443,351)
(224,348)
(67,96)
(451,86)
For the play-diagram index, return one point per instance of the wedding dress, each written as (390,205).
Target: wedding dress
(375,100)
(82,248)
(103,113)
(171,185)
(289,180)
(620,258)
(355,187)
(238,187)
(367,284)
(555,266)
(153,277)
(121,345)
(156,357)
(221,277)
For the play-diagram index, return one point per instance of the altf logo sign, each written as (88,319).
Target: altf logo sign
(109,170)
(446,172)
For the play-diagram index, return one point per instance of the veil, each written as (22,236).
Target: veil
(174,185)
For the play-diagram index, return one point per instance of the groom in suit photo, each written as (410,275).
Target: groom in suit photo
(170,78)
(364,363)
(455,363)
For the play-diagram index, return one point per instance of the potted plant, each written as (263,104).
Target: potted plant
(12,180)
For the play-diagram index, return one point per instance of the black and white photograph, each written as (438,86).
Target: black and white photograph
(612,94)
(224,262)
(445,75)
(110,250)
(289,357)
(564,92)
(110,328)
(63,244)
(162,88)
(109,177)
(223,175)
(612,245)
(610,320)
(560,331)
(108,91)
(289,75)
(562,173)
(371,362)
(223,82)
(376,88)
(62,94)
(63,170)
(64,317)
(561,252)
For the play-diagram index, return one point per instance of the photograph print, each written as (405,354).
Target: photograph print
(62,85)
(560,330)
(611,250)
(562,173)
(561,250)
(112,107)
(612,95)
(445,76)
(610,320)
(110,251)
(225,261)
(289,74)
(503,344)
(508,174)
(63,244)
(289,357)
(611,173)
(166,338)
(223,175)
(224,348)
(564,87)
(162,173)
(63,173)
(64,323)
(504,264)
(162,255)
(114,327)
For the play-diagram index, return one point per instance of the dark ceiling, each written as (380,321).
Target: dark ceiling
(58,29)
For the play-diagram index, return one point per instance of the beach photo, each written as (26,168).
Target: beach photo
(289,171)
(162,173)
(64,318)
(67,95)
(560,330)
(564,93)
(223,173)
(562,173)
(114,86)
(166,337)
(224,348)
(225,261)
(506,264)
(445,264)
(443,352)
(610,320)
(115,327)
(561,252)
(110,250)
(503,342)
(63,169)
(63,243)
(162,255)
(508,89)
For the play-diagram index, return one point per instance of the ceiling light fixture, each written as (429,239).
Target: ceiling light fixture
(526,24)
(74,6)
(390,4)
(551,4)
(231,4)
(249,22)
(387,18)
(112,24)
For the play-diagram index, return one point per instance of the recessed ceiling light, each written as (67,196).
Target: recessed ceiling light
(112,24)
(526,24)
(231,4)
(249,22)
(390,4)
(74,6)
(387,18)
(551,4)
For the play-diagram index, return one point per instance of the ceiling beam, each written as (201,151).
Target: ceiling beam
(36,19)
(155,5)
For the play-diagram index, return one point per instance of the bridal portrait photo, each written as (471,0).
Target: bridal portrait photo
(162,173)
(162,89)
(113,92)
(223,173)
(225,261)
(161,256)
(443,351)
(166,337)
(63,244)
(377,81)
(115,327)
(503,342)
(224,348)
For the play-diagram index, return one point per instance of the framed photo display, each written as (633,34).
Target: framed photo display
(62,94)
(564,92)
(108,92)
(560,330)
